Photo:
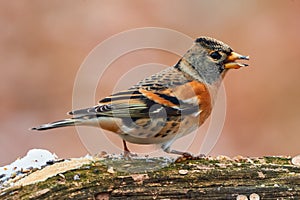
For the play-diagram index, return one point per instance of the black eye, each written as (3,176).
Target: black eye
(216,55)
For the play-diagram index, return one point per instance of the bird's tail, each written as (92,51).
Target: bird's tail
(57,124)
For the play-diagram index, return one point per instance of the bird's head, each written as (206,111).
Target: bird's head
(210,59)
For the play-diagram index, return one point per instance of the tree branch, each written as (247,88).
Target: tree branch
(202,178)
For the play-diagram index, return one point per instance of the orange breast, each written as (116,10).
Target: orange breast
(198,92)
(204,97)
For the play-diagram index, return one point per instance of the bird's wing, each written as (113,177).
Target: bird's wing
(132,103)
(176,96)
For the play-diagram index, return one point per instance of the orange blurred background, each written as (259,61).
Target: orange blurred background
(43,43)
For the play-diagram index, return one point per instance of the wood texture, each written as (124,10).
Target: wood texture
(202,178)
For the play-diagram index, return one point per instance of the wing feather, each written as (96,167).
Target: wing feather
(136,102)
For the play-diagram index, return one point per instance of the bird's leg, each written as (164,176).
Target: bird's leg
(127,152)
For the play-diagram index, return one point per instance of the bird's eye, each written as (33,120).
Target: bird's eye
(216,55)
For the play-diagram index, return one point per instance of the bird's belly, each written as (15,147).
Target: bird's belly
(159,131)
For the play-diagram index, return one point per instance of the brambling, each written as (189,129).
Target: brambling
(167,105)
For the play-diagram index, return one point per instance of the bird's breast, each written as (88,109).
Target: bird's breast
(196,93)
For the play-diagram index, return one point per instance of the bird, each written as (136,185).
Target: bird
(166,105)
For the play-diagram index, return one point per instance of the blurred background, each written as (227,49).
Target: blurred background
(43,43)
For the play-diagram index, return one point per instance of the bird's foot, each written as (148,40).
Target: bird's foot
(183,155)
(187,156)
(128,154)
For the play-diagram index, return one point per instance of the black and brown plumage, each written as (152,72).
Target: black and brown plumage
(167,105)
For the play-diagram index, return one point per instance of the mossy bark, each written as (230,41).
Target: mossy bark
(203,178)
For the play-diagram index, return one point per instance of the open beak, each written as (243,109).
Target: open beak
(231,63)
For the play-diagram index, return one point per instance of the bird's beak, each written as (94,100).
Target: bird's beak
(230,61)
